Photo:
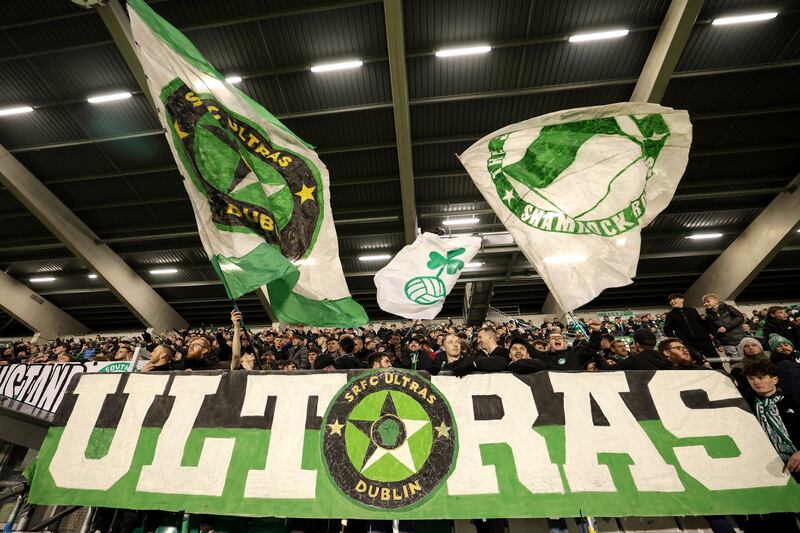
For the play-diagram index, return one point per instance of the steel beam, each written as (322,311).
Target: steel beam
(666,51)
(742,261)
(139,297)
(395,40)
(118,24)
(477,295)
(36,313)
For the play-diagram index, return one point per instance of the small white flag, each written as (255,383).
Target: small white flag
(416,282)
(576,187)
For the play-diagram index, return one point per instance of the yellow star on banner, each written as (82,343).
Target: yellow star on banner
(306,193)
(336,427)
(442,430)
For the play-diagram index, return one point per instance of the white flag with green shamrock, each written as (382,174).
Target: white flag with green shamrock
(416,282)
(575,188)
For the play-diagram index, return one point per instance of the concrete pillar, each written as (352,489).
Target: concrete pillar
(666,51)
(133,291)
(35,312)
(393,14)
(742,261)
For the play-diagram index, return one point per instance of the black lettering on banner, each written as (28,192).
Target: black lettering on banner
(38,385)
(488,407)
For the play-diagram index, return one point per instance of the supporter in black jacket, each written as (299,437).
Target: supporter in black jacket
(521,361)
(725,322)
(789,374)
(763,379)
(450,356)
(777,323)
(414,357)
(491,357)
(685,323)
(670,355)
(559,356)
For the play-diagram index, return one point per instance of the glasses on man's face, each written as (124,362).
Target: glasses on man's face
(679,347)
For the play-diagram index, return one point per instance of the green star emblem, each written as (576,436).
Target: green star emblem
(388,436)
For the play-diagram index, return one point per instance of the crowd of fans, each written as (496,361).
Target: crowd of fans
(759,352)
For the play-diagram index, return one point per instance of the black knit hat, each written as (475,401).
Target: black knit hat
(324,360)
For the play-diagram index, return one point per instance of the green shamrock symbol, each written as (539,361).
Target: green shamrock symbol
(441,262)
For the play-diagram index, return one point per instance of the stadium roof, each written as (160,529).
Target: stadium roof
(111,165)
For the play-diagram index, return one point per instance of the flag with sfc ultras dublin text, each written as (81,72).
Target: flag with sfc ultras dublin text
(419,278)
(575,188)
(260,195)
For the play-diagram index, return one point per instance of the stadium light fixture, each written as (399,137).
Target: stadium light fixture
(159,271)
(103,98)
(598,35)
(742,19)
(374,257)
(460,221)
(703,236)
(233,79)
(45,279)
(329,67)
(474,264)
(464,51)
(92,276)
(15,110)
(564,259)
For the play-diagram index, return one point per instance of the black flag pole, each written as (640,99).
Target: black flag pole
(247,336)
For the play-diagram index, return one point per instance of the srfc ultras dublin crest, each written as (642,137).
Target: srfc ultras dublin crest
(250,184)
(389,439)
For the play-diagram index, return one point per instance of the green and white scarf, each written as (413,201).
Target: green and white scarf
(770,419)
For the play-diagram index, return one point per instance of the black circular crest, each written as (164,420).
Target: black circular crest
(389,440)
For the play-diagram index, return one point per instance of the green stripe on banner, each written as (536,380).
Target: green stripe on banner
(250,452)
(392,443)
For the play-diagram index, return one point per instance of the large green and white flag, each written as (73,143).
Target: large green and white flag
(419,278)
(260,194)
(575,188)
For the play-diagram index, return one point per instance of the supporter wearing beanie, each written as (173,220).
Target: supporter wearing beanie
(325,361)
(751,349)
(781,345)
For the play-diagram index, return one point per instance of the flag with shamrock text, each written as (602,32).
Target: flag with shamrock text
(575,189)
